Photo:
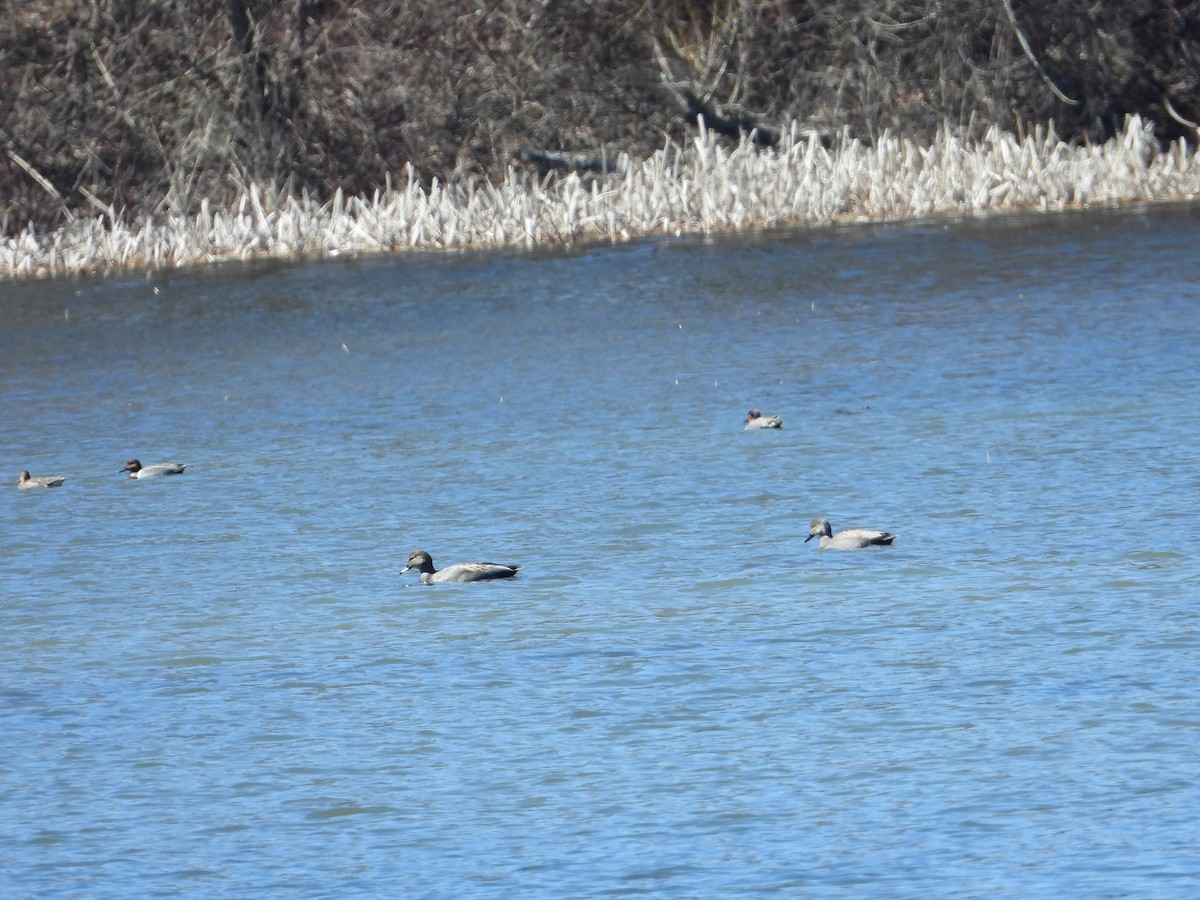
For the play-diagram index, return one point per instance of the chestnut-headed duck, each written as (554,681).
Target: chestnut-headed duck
(137,470)
(755,420)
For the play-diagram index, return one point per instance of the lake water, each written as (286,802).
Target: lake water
(219,684)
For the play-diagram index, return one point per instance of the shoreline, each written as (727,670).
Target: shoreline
(705,187)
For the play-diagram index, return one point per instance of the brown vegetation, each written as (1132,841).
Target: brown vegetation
(126,110)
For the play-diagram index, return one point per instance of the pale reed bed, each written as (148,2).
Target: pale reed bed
(703,187)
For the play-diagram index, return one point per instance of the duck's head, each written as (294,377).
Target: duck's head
(819,527)
(419,560)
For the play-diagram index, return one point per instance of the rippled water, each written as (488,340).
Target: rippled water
(218,684)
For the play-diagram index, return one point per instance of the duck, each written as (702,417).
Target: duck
(850,539)
(755,420)
(458,573)
(41,481)
(137,470)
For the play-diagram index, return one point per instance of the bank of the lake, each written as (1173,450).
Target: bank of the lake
(702,188)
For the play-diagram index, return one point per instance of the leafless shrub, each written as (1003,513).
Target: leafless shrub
(125,109)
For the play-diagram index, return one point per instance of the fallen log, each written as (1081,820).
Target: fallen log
(735,127)
(547,161)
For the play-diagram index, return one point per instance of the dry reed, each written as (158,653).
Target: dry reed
(701,188)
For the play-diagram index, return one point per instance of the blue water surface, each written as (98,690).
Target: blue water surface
(219,684)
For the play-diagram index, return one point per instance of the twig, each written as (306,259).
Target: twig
(1177,117)
(42,180)
(36,175)
(1012,19)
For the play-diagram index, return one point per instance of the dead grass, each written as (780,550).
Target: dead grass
(703,186)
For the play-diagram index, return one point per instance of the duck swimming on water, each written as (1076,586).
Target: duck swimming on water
(41,481)
(458,573)
(137,470)
(850,539)
(755,420)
